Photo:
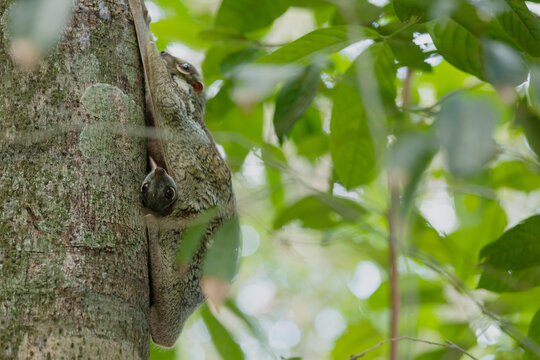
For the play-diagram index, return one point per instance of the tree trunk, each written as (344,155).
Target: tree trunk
(73,250)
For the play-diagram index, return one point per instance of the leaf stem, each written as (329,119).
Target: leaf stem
(394,273)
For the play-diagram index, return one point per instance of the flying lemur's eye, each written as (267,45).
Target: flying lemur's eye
(169,193)
(144,188)
(184,68)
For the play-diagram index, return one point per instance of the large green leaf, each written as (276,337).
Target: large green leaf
(222,259)
(534,89)
(320,42)
(249,15)
(227,348)
(534,335)
(410,156)
(320,211)
(357,338)
(489,60)
(530,122)
(465,130)
(367,94)
(458,46)
(514,175)
(294,98)
(351,145)
(512,262)
(519,23)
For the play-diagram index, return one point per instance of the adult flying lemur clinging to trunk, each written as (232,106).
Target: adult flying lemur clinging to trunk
(202,182)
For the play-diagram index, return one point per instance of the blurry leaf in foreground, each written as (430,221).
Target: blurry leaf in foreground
(534,88)
(319,212)
(216,290)
(534,335)
(222,258)
(530,122)
(221,338)
(25,53)
(512,262)
(411,155)
(294,98)
(503,65)
(514,175)
(34,27)
(465,130)
(192,237)
(250,322)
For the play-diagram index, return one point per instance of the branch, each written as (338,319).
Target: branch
(448,345)
(394,274)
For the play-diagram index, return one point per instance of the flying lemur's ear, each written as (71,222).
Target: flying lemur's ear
(153,164)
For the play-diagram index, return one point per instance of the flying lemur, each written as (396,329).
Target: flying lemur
(188,178)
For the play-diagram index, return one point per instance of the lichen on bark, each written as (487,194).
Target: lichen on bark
(73,253)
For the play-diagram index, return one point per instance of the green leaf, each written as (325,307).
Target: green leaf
(372,75)
(514,175)
(237,58)
(520,24)
(249,321)
(192,237)
(408,53)
(249,15)
(225,345)
(458,46)
(319,212)
(222,259)
(489,60)
(321,42)
(159,353)
(414,10)
(351,145)
(357,12)
(534,335)
(294,98)
(512,262)
(503,65)
(464,128)
(212,61)
(530,122)
(411,155)
(275,187)
(355,339)
(534,89)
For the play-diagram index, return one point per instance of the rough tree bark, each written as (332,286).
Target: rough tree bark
(73,252)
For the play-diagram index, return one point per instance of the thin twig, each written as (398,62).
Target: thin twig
(448,345)
(407,86)
(394,274)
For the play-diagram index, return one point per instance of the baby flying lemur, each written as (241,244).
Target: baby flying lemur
(186,150)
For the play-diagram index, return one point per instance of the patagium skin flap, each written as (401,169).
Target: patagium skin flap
(189,157)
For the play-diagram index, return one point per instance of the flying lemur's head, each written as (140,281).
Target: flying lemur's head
(158,191)
(187,72)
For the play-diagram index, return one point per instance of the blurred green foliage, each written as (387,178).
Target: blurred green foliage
(320,106)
